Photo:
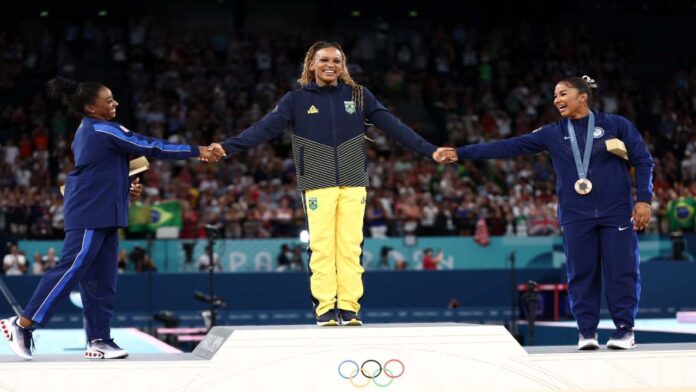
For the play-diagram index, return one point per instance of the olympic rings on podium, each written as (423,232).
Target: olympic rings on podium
(371,369)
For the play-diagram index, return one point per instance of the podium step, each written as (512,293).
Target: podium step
(404,357)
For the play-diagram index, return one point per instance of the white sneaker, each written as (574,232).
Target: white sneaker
(588,342)
(622,339)
(104,349)
(19,338)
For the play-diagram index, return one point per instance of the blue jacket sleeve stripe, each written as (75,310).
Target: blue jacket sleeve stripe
(147,143)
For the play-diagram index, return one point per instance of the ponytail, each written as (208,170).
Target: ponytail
(72,94)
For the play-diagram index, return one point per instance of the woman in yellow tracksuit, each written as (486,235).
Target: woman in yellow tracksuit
(327,117)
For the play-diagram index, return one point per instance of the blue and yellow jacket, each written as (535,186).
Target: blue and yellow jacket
(328,134)
(97,191)
(611,190)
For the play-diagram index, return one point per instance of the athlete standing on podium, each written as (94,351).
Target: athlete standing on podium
(596,208)
(95,206)
(327,116)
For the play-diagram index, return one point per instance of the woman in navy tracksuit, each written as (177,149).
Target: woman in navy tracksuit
(96,205)
(596,208)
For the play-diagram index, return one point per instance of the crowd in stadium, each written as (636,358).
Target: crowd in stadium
(455,85)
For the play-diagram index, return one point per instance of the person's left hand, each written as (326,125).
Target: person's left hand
(136,189)
(641,215)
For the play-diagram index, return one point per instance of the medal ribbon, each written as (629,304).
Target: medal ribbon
(582,165)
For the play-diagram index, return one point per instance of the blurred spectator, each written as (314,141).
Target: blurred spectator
(50,260)
(14,263)
(296,263)
(187,248)
(122,260)
(430,261)
(400,265)
(284,257)
(383,262)
(141,260)
(37,264)
(204,261)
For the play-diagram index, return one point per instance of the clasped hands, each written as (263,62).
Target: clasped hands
(445,155)
(212,153)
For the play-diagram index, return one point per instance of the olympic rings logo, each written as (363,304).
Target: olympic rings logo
(371,370)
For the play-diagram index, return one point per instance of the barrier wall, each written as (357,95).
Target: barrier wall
(459,252)
(390,296)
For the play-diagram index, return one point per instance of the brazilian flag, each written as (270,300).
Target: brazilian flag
(682,214)
(147,218)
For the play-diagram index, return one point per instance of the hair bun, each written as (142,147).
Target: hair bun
(58,88)
(590,82)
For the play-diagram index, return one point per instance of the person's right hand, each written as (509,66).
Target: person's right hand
(212,153)
(445,155)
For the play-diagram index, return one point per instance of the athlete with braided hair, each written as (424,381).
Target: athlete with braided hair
(327,115)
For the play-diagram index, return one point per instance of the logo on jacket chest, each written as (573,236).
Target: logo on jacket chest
(350,106)
(313,110)
(598,132)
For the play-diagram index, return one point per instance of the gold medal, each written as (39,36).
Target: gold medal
(583,186)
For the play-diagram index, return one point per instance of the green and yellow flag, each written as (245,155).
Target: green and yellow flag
(146,218)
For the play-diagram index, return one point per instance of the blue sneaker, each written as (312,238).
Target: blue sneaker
(349,318)
(622,338)
(327,319)
(104,349)
(19,338)
(588,341)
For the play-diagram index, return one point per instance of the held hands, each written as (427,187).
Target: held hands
(445,155)
(136,189)
(641,215)
(212,153)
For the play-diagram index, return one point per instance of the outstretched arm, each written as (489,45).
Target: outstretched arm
(270,126)
(531,143)
(386,121)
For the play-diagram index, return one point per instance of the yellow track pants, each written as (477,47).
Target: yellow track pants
(335,218)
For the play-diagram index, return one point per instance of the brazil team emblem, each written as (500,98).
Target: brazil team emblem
(350,106)
(313,203)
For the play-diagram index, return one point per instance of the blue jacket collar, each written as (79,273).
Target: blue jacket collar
(312,86)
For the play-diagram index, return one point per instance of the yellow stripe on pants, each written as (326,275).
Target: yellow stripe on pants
(335,218)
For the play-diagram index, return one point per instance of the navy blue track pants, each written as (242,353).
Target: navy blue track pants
(603,245)
(89,258)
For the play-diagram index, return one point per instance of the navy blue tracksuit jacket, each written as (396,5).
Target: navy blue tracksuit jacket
(328,129)
(597,228)
(95,206)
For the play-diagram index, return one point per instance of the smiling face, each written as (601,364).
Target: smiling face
(327,66)
(570,102)
(103,107)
